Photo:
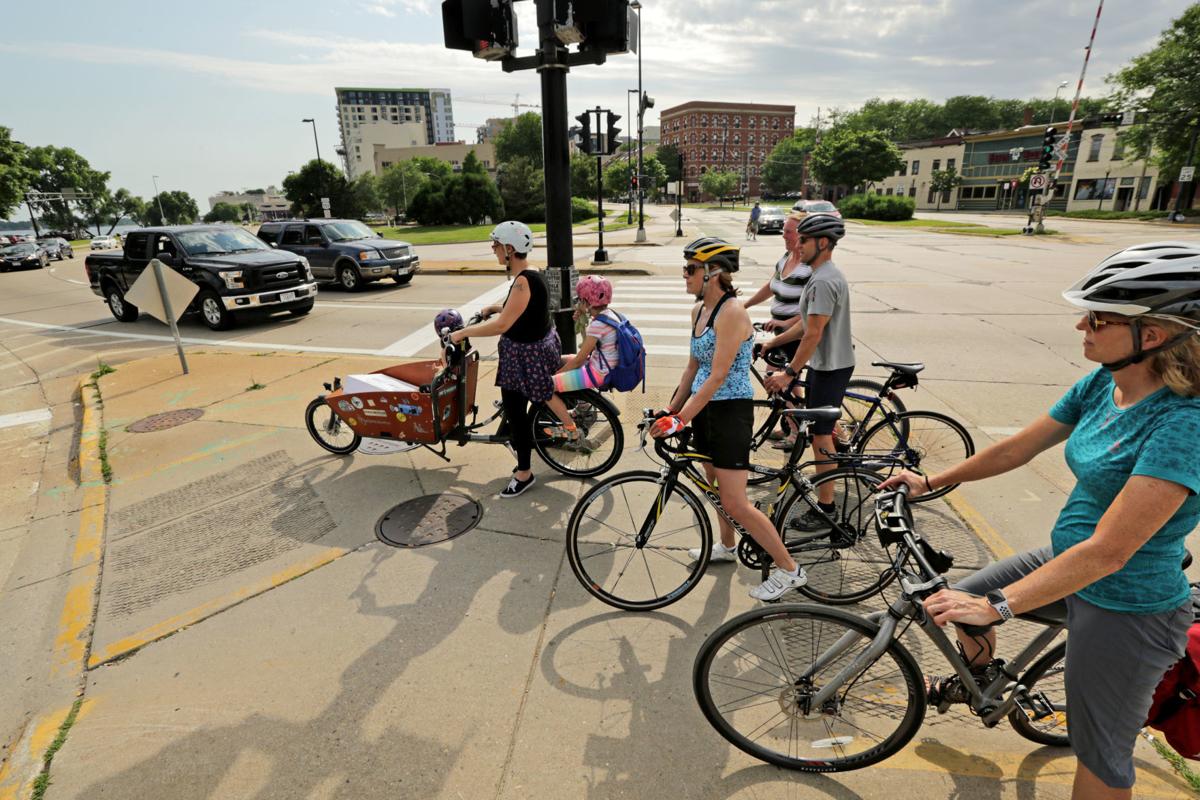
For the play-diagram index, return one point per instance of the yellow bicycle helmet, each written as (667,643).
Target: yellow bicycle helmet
(714,253)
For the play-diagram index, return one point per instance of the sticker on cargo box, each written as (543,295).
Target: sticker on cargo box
(374,412)
(344,406)
(353,422)
(401,418)
(356,402)
(403,409)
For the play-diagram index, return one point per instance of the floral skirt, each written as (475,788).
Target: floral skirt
(529,367)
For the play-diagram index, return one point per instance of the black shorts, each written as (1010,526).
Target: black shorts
(825,388)
(722,430)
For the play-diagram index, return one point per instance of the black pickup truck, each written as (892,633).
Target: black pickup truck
(237,274)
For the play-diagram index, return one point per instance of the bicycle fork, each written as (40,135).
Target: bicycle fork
(887,629)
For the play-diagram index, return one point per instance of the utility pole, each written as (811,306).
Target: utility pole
(641,230)
(1177,216)
(1103,189)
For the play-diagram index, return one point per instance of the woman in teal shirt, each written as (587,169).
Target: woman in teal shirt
(1115,554)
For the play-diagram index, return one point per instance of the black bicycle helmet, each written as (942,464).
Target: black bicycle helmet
(714,252)
(822,225)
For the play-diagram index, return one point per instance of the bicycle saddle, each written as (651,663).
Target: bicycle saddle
(900,366)
(824,414)
(1053,614)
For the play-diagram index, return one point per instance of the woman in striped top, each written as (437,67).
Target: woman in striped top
(786,286)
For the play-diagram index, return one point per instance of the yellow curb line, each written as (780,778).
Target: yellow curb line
(980,526)
(161,630)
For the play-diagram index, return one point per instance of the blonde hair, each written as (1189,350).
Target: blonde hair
(1179,367)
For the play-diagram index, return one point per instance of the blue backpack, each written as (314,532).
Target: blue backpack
(630,369)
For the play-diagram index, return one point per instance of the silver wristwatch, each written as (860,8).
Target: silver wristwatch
(999,602)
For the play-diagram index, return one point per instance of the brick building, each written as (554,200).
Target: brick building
(733,137)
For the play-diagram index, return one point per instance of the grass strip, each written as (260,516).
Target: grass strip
(42,781)
(1178,762)
(445,234)
(917,223)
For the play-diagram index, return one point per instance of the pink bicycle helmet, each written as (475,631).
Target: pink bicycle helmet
(594,290)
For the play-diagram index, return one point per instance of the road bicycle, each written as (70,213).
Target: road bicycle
(629,536)
(875,423)
(442,410)
(819,689)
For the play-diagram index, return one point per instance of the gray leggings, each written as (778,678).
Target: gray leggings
(1114,663)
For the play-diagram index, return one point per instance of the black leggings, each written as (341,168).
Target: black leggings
(520,425)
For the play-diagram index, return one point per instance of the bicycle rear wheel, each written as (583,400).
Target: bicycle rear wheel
(756,675)
(861,409)
(926,441)
(604,553)
(602,438)
(842,557)
(1045,681)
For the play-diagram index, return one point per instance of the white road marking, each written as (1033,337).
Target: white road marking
(425,336)
(24,418)
(381,306)
(1000,431)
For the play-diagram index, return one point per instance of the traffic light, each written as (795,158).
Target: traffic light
(485,27)
(605,25)
(1047,148)
(614,133)
(585,133)
(633,181)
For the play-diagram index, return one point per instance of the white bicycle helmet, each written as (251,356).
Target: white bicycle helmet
(1159,279)
(514,233)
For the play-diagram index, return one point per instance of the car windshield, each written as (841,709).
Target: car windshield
(348,231)
(819,207)
(772,210)
(219,241)
(19,249)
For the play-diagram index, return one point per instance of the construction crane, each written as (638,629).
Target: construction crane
(515,104)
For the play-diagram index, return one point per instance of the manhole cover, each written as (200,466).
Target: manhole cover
(160,422)
(429,519)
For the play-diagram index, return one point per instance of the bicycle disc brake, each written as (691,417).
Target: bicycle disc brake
(751,554)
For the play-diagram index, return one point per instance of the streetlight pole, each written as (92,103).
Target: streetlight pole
(1054,103)
(161,216)
(316,144)
(629,159)
(641,230)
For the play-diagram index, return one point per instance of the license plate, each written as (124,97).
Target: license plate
(286,296)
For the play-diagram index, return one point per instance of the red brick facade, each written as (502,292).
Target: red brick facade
(735,137)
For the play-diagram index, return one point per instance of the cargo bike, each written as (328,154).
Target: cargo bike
(432,404)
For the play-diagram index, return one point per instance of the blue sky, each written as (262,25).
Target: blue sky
(210,96)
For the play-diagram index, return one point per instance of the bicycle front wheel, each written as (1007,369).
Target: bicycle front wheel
(632,572)
(864,403)
(756,678)
(1045,684)
(926,441)
(601,437)
(328,429)
(838,550)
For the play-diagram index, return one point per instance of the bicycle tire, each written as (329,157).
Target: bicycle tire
(1049,669)
(590,539)
(790,639)
(328,425)
(846,565)
(926,441)
(858,414)
(603,437)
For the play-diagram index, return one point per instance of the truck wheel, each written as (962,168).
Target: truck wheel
(403,280)
(121,310)
(213,311)
(349,278)
(301,310)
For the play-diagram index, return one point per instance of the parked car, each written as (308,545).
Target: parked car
(57,248)
(343,251)
(105,243)
(237,274)
(771,218)
(23,256)
(817,207)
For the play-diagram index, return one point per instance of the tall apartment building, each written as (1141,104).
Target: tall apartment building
(489,130)
(392,118)
(731,137)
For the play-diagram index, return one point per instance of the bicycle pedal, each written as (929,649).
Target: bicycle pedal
(1036,706)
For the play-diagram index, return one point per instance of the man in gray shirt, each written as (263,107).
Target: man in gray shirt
(825,347)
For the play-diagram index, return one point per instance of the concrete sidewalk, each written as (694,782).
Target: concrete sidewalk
(253,638)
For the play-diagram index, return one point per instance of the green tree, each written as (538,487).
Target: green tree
(60,168)
(400,182)
(472,165)
(315,180)
(364,196)
(942,181)
(178,206)
(463,199)
(124,205)
(521,187)
(1164,84)
(223,212)
(849,158)
(434,167)
(654,173)
(521,137)
(15,175)
(249,212)
(668,156)
(719,184)
(784,167)
(583,176)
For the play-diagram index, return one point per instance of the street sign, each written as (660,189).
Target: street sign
(674,215)
(1187,174)
(145,295)
(325,203)
(1037,181)
(327,214)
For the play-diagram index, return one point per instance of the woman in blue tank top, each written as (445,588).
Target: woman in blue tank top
(716,397)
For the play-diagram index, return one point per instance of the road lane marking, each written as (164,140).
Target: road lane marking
(425,336)
(24,418)
(1000,431)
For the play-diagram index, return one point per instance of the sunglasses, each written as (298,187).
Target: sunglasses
(1094,322)
(691,269)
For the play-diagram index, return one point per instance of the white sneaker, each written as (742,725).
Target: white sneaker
(719,553)
(777,583)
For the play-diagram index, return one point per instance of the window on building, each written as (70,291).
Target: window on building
(949,163)
(751,122)
(737,122)
(989,192)
(946,196)
(929,197)
(1118,149)
(912,191)
(704,138)
(937,164)
(1094,149)
(1144,188)
(903,169)
(889,190)
(880,191)
(916,168)
(775,123)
